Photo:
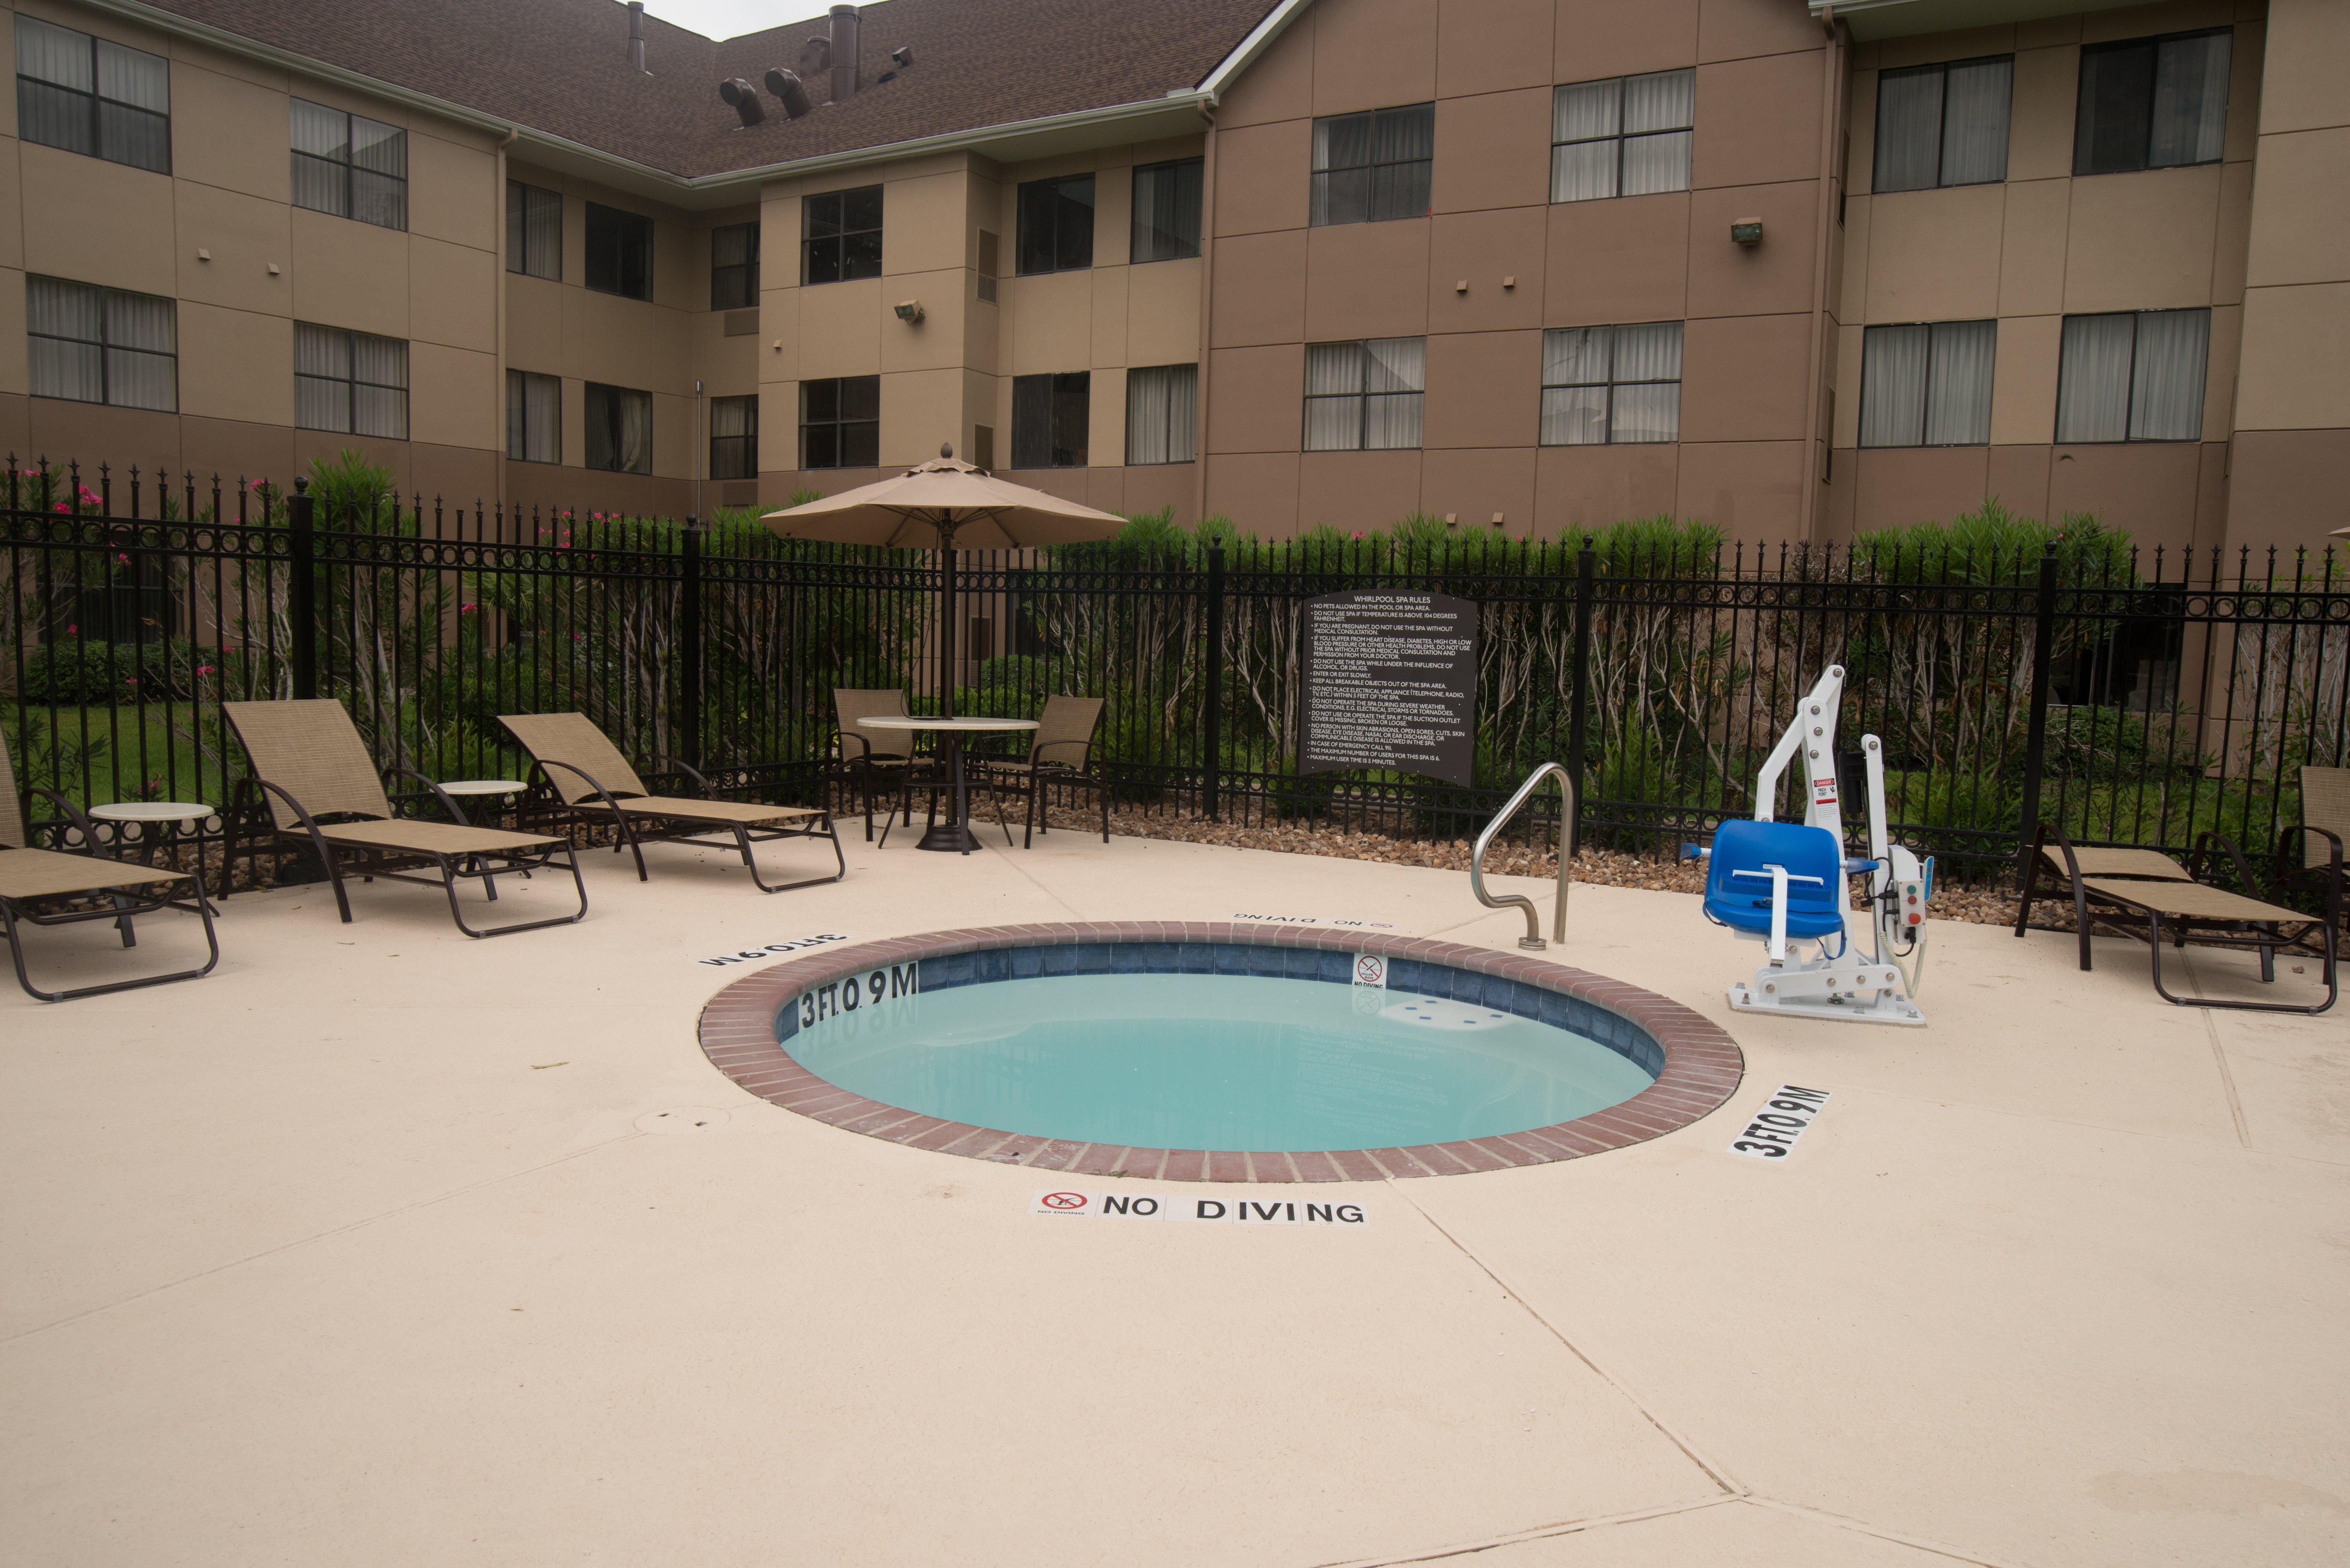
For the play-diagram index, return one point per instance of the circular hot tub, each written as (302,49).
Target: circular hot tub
(1219,1053)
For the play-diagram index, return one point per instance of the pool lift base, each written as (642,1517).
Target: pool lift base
(1781,883)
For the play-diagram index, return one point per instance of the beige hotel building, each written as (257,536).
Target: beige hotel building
(1794,268)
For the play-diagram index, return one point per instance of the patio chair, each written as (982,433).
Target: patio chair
(585,779)
(53,888)
(865,757)
(2124,888)
(1061,753)
(322,793)
(2324,824)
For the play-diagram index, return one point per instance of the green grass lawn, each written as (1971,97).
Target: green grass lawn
(124,754)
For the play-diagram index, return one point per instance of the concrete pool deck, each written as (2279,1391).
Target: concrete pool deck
(384,1246)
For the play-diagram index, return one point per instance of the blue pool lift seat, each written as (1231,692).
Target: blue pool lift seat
(1738,886)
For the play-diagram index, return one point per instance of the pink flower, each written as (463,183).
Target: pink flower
(467,609)
(202,671)
(73,631)
(120,559)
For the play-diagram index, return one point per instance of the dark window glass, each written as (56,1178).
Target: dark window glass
(350,381)
(1369,168)
(533,231)
(735,266)
(1167,211)
(840,422)
(843,235)
(620,252)
(734,438)
(91,96)
(1056,224)
(534,417)
(1943,125)
(619,428)
(2152,103)
(1051,418)
(349,165)
(102,345)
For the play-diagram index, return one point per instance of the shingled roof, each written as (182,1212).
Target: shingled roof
(561,66)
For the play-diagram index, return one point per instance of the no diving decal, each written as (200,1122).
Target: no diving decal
(1214,1210)
(1771,1132)
(777,949)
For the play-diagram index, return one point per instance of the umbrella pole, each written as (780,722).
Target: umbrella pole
(947,639)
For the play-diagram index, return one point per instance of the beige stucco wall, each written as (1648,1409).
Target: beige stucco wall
(2033,250)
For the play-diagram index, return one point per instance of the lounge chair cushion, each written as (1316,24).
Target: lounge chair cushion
(2190,901)
(50,873)
(574,740)
(743,813)
(310,749)
(432,837)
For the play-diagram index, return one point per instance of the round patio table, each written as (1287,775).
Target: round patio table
(955,832)
(485,787)
(161,823)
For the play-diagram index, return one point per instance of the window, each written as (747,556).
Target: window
(1625,137)
(2135,376)
(90,95)
(1927,384)
(1162,405)
(620,252)
(101,344)
(840,422)
(534,417)
(1943,125)
(2152,103)
(533,231)
(1052,416)
(1364,397)
(1612,385)
(1167,211)
(735,266)
(350,381)
(1056,224)
(843,235)
(1369,168)
(734,438)
(349,165)
(619,428)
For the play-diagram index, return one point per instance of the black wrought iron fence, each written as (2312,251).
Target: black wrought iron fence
(2141,697)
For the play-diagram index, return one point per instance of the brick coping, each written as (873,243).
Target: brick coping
(1702,1064)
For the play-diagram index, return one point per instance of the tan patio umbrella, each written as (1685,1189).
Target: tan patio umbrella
(945,505)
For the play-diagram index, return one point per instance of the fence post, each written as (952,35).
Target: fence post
(1579,710)
(302,588)
(2043,650)
(1211,760)
(689,647)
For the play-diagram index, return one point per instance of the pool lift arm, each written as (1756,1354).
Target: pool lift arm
(1834,983)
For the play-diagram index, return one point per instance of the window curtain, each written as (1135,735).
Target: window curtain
(1974,122)
(66,323)
(322,376)
(379,398)
(2165,389)
(378,174)
(1395,372)
(322,142)
(1403,145)
(1959,381)
(1646,406)
(1908,128)
(1574,386)
(1584,170)
(2092,391)
(1893,363)
(2190,101)
(634,431)
(1334,392)
(1666,103)
(54,116)
(1341,185)
(543,233)
(1159,413)
(534,417)
(1167,211)
(141,351)
(134,91)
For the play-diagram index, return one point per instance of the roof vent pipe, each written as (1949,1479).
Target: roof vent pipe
(637,35)
(745,99)
(844,53)
(790,92)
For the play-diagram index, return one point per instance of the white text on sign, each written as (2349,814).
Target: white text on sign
(874,986)
(1213,1211)
(777,949)
(1319,920)
(1773,1131)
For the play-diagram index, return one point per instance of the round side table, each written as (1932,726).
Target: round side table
(161,823)
(482,788)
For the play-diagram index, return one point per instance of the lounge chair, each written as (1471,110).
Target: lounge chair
(2125,889)
(52,888)
(866,757)
(322,793)
(585,779)
(2309,853)
(1061,753)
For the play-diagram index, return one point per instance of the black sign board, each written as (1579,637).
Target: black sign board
(1390,681)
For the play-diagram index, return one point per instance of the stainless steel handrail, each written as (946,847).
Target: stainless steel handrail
(1532,939)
